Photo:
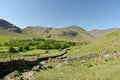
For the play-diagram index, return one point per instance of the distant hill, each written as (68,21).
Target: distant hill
(100,33)
(5,25)
(71,33)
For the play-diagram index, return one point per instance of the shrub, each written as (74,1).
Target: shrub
(21,48)
(26,48)
(46,51)
(12,49)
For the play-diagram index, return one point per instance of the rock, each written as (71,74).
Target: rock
(83,61)
(20,78)
(49,66)
(59,65)
(36,68)
(66,62)
(12,75)
(28,75)
(44,67)
(50,59)
(43,62)
(108,56)
(64,56)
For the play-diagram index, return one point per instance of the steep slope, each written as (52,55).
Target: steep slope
(5,25)
(68,33)
(107,45)
(100,33)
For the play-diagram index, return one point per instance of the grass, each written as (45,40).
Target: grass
(107,70)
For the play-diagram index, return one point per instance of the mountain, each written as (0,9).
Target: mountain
(100,33)
(67,33)
(5,25)
(10,31)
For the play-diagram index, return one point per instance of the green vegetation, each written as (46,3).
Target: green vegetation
(53,42)
(21,48)
(12,50)
(34,46)
(40,44)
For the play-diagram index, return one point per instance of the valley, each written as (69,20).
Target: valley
(69,53)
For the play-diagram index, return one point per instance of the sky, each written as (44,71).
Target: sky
(88,14)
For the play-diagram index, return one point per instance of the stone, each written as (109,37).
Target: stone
(66,62)
(44,67)
(59,65)
(43,62)
(36,68)
(50,59)
(49,66)
(83,61)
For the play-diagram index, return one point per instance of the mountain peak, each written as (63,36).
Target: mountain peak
(9,26)
(73,26)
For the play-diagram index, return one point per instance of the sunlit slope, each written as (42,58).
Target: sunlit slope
(106,45)
(70,33)
(6,35)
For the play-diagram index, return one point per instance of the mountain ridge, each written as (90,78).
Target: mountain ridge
(69,32)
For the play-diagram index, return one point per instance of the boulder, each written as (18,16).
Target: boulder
(36,68)
(59,65)
(49,66)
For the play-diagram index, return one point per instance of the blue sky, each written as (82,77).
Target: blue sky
(88,14)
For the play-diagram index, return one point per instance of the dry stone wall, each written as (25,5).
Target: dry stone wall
(9,66)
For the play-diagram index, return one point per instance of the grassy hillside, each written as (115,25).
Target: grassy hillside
(9,31)
(107,70)
(107,45)
(6,35)
(70,33)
